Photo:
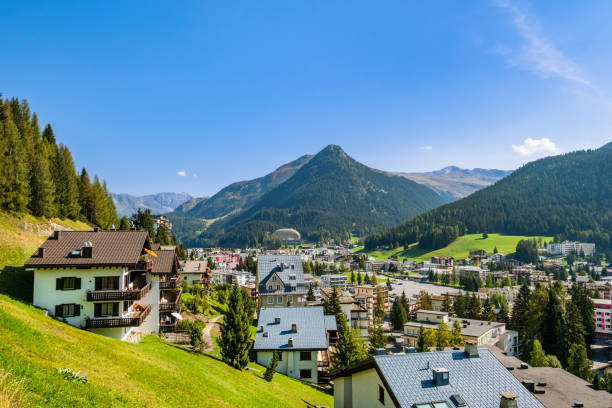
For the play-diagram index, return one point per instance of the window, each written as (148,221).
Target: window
(277,287)
(68,310)
(280,355)
(69,283)
(305,356)
(381,394)
(305,373)
(279,300)
(274,278)
(106,309)
(108,283)
(270,300)
(290,298)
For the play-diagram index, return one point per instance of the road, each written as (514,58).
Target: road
(412,289)
(206,337)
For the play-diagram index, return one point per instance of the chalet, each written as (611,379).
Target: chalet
(301,336)
(280,279)
(109,282)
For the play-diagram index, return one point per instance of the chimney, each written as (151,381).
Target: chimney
(508,400)
(440,376)
(471,348)
(56,234)
(381,351)
(293,327)
(290,342)
(265,334)
(41,252)
(529,384)
(277,320)
(96,229)
(261,328)
(87,250)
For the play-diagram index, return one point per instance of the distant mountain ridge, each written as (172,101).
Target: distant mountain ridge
(159,203)
(240,195)
(454,183)
(330,196)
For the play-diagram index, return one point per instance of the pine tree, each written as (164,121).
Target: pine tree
(332,305)
(66,185)
(124,225)
(474,307)
(399,316)
(86,197)
(554,332)
(503,314)
(574,330)
(581,299)
(310,296)
(234,340)
(42,202)
(353,277)
(425,300)
(269,374)
(379,306)
(521,308)
(487,310)
(14,171)
(359,278)
(345,347)
(162,236)
(459,306)
(426,339)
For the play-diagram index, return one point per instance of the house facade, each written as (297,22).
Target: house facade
(280,281)
(102,281)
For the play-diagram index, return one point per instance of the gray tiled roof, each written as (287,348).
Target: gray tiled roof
(479,380)
(286,267)
(330,323)
(310,334)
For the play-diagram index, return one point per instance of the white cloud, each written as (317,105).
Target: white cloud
(532,146)
(538,53)
(181,173)
(426,147)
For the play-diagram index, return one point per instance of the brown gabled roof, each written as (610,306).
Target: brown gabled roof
(108,248)
(166,261)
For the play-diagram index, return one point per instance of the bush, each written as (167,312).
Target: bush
(71,375)
(269,374)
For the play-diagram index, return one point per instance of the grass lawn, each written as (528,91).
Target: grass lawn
(150,374)
(459,249)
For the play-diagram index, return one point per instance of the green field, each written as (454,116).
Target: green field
(459,249)
(150,374)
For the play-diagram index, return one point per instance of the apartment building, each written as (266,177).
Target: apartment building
(333,281)
(603,318)
(109,282)
(567,247)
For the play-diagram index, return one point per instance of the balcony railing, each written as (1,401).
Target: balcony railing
(171,301)
(166,307)
(170,284)
(130,294)
(167,327)
(144,265)
(105,322)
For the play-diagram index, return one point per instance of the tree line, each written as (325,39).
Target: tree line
(38,175)
(565,196)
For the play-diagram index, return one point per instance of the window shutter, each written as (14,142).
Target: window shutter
(115,309)
(116,283)
(97,309)
(98,283)
(77,283)
(58,310)
(77,309)
(59,284)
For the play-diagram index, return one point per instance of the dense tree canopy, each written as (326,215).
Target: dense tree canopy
(38,176)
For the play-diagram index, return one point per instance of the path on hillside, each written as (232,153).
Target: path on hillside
(206,333)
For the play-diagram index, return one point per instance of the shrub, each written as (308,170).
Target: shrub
(71,375)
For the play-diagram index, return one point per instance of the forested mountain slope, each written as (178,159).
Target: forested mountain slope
(331,196)
(240,195)
(569,195)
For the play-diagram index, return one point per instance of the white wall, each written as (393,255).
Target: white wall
(363,390)
(47,297)
(291,364)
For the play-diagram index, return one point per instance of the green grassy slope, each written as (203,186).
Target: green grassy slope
(150,374)
(459,249)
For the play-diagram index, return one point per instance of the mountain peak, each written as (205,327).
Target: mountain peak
(607,146)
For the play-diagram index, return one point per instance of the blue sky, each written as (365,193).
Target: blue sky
(193,95)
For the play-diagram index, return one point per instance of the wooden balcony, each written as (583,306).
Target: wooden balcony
(170,301)
(170,284)
(144,265)
(108,295)
(106,322)
(167,327)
